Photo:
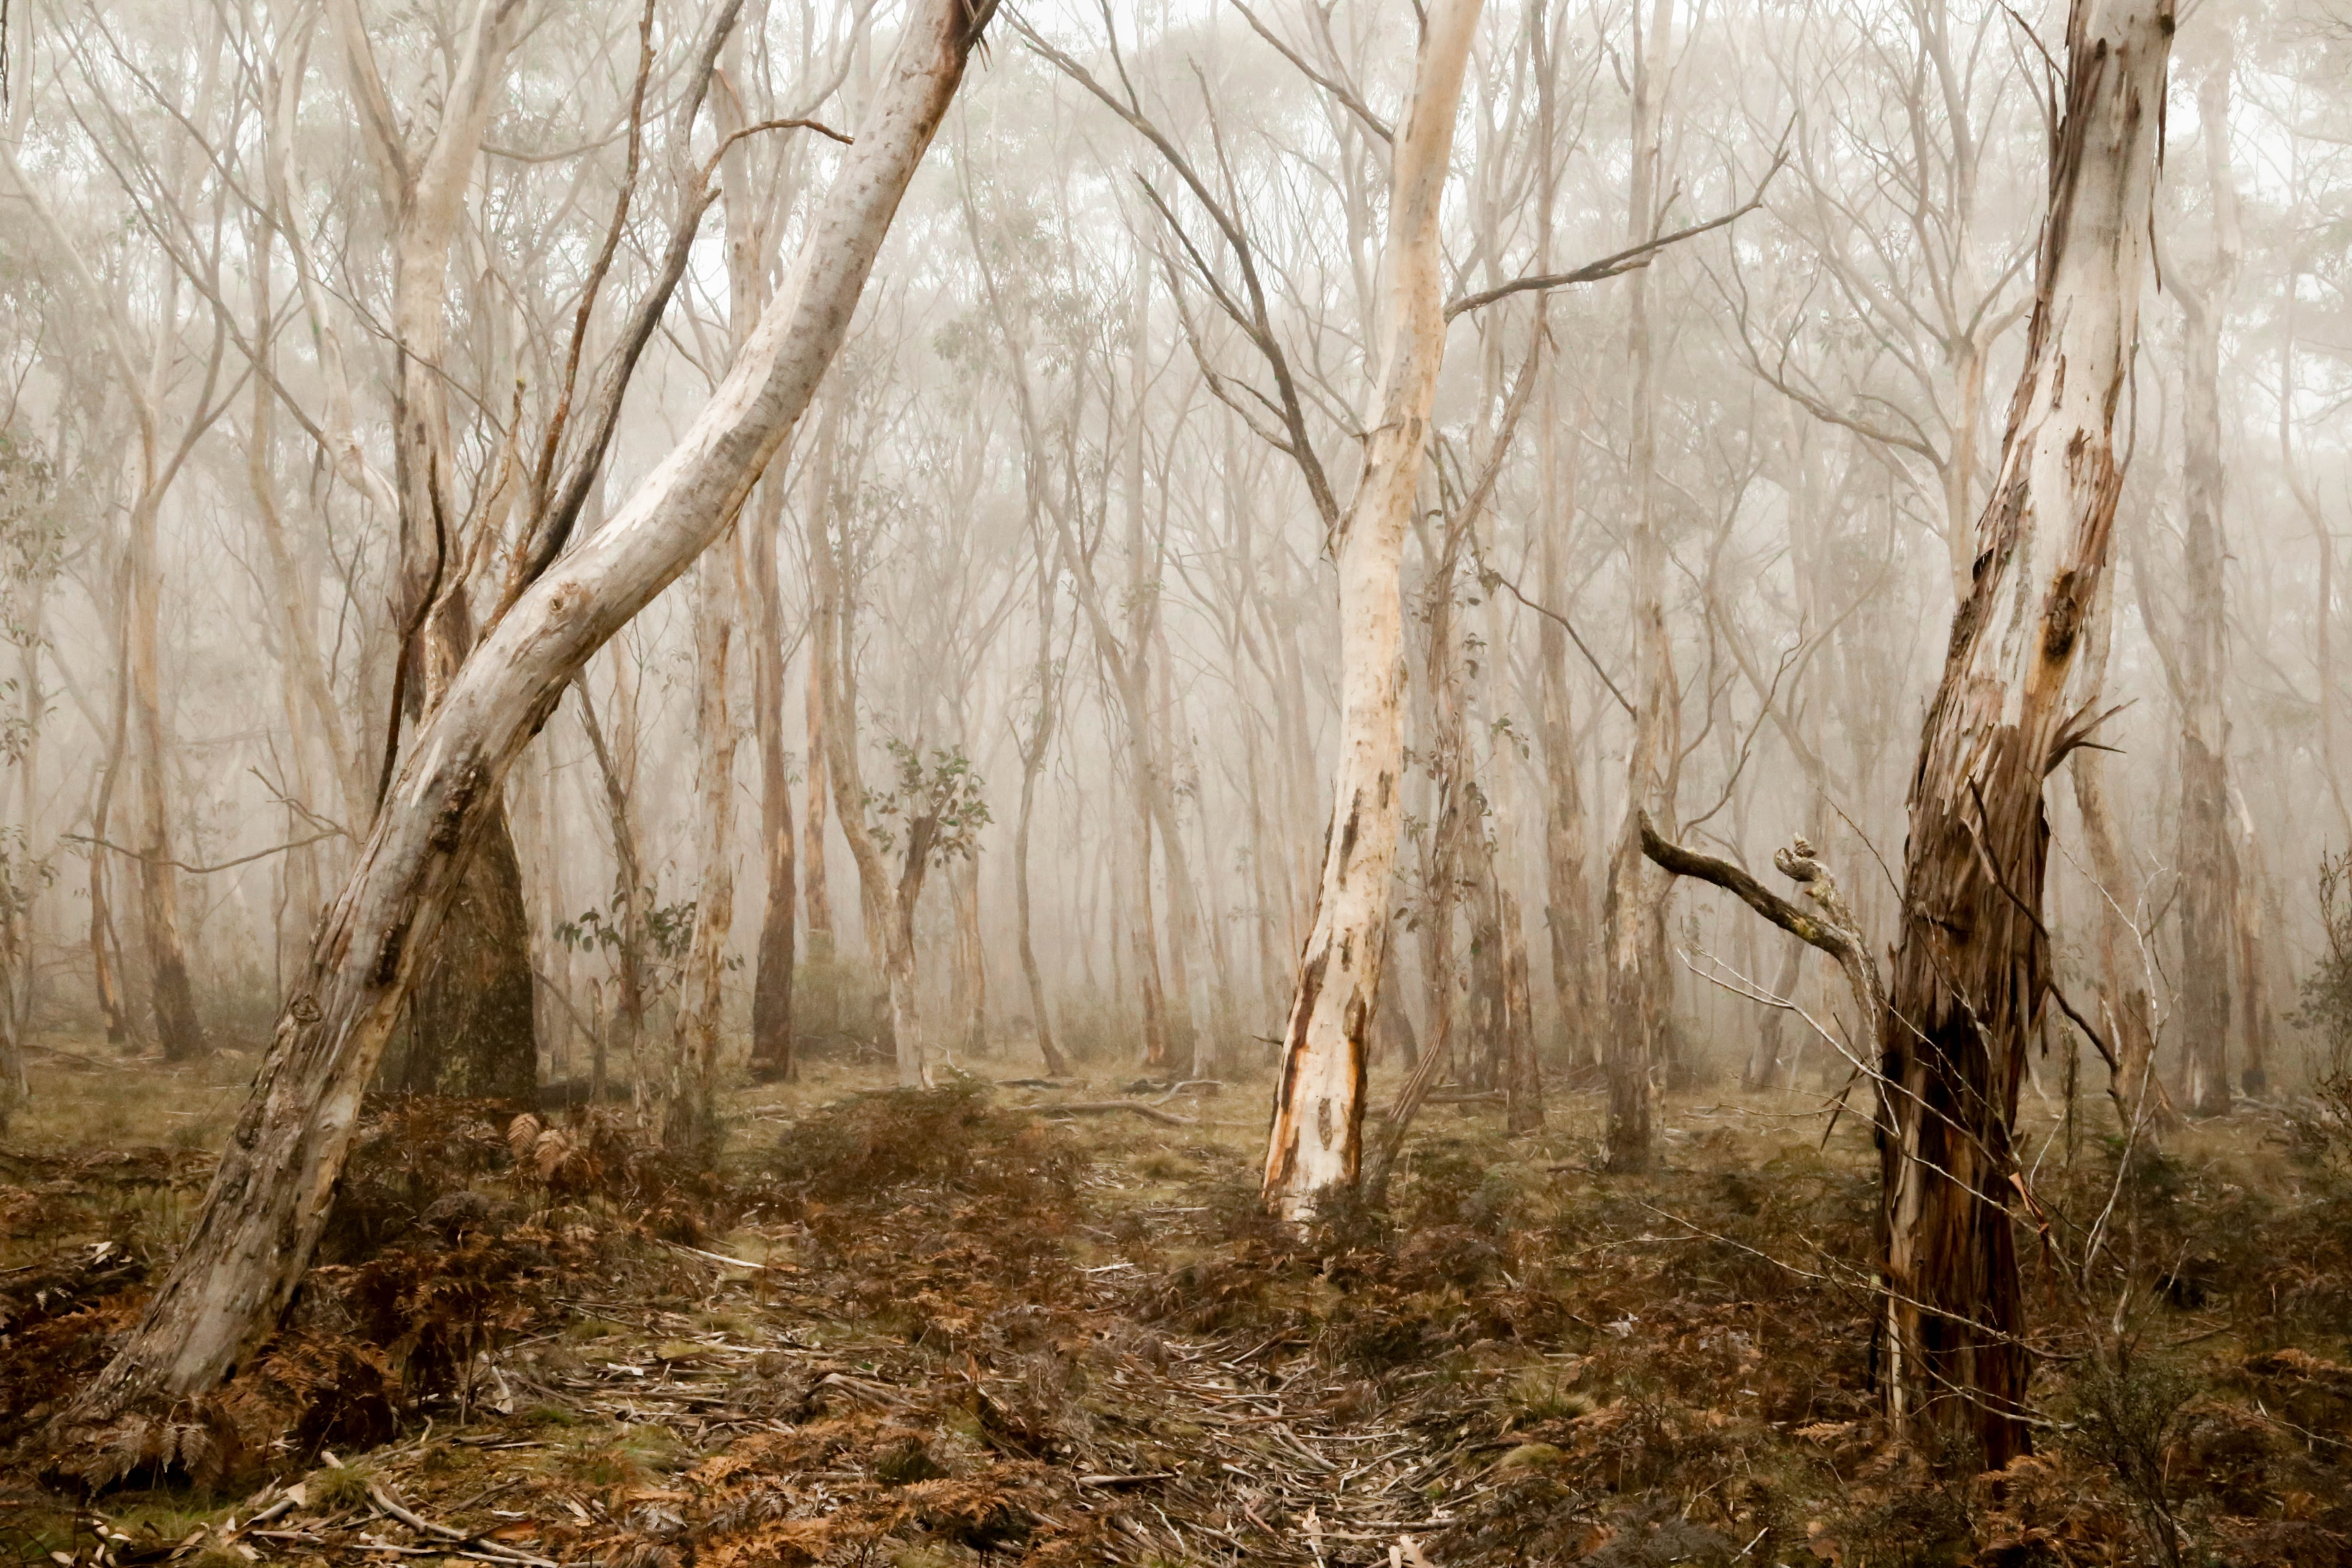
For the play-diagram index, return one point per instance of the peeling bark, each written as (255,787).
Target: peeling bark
(1972,965)
(1315,1140)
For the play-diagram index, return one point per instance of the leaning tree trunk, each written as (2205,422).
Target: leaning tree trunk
(1316,1140)
(262,1217)
(1972,965)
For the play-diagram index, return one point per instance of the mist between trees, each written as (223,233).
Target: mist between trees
(565,553)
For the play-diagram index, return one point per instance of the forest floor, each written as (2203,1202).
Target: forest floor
(956,1327)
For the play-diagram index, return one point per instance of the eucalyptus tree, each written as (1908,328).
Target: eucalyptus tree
(267,1206)
(1972,967)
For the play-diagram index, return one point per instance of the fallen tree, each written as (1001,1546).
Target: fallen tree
(268,1204)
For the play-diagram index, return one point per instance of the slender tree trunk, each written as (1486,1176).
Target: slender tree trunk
(1316,1140)
(1142,923)
(34,715)
(1972,967)
(106,979)
(1763,1070)
(302,681)
(1567,826)
(473,1023)
(2253,976)
(1633,912)
(688,1113)
(971,957)
(261,1219)
(889,919)
(1033,763)
(1451,818)
(772,982)
(1522,1074)
(2138,1094)
(814,892)
(628,1021)
(171,994)
(752,243)
(2209,907)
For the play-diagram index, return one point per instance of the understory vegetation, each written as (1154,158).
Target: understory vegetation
(934,1327)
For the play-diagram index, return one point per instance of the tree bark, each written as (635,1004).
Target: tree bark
(1316,1140)
(771,981)
(2208,906)
(1633,910)
(471,1030)
(618,774)
(106,976)
(262,1217)
(1763,1068)
(688,1110)
(423,194)
(814,894)
(2138,1093)
(1972,967)
(170,994)
(889,928)
(1567,825)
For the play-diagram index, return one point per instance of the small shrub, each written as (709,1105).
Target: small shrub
(863,1147)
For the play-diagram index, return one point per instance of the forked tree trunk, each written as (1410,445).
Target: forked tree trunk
(1316,1140)
(474,1025)
(1971,969)
(261,1219)
(889,924)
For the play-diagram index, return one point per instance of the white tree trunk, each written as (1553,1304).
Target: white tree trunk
(1317,1139)
(268,1200)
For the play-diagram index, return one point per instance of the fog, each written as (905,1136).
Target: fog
(1061,516)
